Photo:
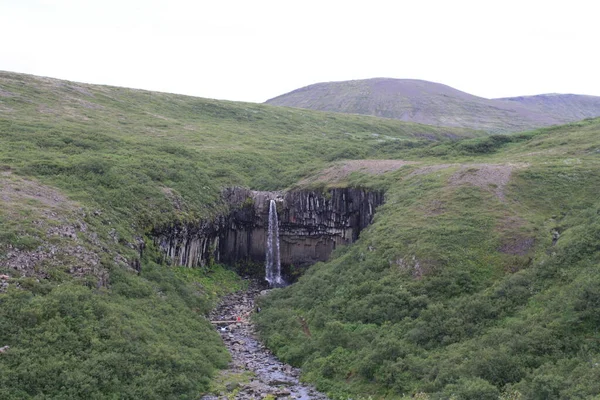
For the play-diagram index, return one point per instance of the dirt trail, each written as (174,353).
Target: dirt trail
(270,376)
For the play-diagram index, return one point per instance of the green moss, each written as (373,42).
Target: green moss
(228,383)
(214,281)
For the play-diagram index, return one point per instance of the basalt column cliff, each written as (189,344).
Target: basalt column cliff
(311,225)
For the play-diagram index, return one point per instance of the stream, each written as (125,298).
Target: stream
(268,375)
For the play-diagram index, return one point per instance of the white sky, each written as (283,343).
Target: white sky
(252,50)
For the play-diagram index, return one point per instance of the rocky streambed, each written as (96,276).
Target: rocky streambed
(264,375)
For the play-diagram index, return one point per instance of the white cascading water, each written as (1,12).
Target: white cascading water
(273,263)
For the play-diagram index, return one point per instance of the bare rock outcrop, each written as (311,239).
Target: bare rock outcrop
(311,225)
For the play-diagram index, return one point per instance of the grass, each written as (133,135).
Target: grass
(228,383)
(215,280)
(86,173)
(121,150)
(465,285)
(455,291)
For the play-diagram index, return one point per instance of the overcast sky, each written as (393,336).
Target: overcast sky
(252,50)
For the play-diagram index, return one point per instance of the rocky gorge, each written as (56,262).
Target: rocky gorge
(312,224)
(264,374)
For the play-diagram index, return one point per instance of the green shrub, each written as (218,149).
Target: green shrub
(472,389)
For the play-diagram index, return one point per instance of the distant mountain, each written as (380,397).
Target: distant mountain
(567,107)
(436,104)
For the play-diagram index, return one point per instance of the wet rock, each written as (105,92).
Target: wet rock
(283,392)
(248,354)
(279,381)
(311,225)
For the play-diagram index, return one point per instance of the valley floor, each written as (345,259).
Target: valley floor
(254,373)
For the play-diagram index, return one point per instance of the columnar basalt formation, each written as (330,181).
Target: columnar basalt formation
(311,225)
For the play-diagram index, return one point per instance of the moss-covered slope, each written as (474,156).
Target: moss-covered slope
(479,278)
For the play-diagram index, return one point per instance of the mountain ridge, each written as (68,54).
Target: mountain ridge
(440,105)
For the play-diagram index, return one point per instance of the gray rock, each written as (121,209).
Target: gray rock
(320,221)
(248,354)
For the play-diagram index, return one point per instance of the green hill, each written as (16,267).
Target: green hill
(436,104)
(85,173)
(479,278)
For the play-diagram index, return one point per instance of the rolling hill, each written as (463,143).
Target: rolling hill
(436,104)
(87,307)
(478,278)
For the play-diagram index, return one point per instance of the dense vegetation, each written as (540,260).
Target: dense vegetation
(478,279)
(142,338)
(85,173)
(468,285)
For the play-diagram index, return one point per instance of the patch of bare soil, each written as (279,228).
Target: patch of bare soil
(492,177)
(14,189)
(339,171)
(429,169)
(45,216)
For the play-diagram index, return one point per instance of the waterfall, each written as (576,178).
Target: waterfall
(273,262)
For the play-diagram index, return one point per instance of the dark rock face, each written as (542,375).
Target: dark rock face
(311,225)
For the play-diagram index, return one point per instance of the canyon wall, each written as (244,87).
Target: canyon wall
(311,225)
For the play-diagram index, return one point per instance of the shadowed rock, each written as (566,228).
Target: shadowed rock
(311,225)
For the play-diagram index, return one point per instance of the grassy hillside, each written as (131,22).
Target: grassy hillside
(479,278)
(85,172)
(437,104)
